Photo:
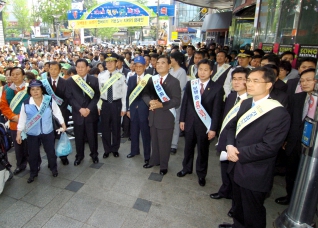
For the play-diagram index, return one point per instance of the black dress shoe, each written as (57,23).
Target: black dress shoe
(64,161)
(116,154)
(17,171)
(95,160)
(202,181)
(129,139)
(77,162)
(163,171)
(147,166)
(146,162)
(230,213)
(225,226)
(183,173)
(130,156)
(31,179)
(216,196)
(173,151)
(283,200)
(55,174)
(105,155)
(124,136)
(39,168)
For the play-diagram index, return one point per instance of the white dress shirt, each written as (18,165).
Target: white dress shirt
(56,80)
(14,87)
(260,100)
(204,84)
(119,88)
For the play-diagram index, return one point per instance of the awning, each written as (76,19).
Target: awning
(217,21)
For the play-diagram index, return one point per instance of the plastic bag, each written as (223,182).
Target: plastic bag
(64,146)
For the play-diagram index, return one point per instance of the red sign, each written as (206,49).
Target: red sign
(164,10)
(182,29)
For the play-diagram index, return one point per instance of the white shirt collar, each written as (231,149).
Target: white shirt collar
(259,101)
(164,77)
(14,87)
(56,80)
(243,96)
(204,83)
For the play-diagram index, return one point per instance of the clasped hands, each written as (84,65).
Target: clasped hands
(84,112)
(232,153)
(155,104)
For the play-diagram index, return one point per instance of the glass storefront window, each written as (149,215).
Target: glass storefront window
(243,34)
(307,32)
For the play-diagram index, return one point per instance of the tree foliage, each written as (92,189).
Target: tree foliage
(104,33)
(22,14)
(47,8)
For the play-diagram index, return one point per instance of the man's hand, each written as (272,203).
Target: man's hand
(98,111)
(122,113)
(87,112)
(18,138)
(15,119)
(83,111)
(232,153)
(211,134)
(182,126)
(128,114)
(155,104)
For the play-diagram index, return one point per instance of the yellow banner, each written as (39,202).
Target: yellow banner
(110,22)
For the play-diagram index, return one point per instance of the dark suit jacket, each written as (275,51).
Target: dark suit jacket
(292,85)
(191,61)
(151,71)
(229,103)
(77,99)
(296,106)
(279,84)
(258,144)
(211,100)
(162,118)
(60,92)
(138,106)
(222,78)
(189,73)
(125,71)
(280,96)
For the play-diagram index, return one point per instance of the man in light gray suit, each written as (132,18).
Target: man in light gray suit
(163,87)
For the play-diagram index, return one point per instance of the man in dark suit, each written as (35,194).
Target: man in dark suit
(153,60)
(190,56)
(58,85)
(193,68)
(239,76)
(254,139)
(162,114)
(196,131)
(220,59)
(138,113)
(84,111)
(299,106)
(120,66)
(304,63)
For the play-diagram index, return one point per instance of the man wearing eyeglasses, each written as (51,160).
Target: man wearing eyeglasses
(254,138)
(299,107)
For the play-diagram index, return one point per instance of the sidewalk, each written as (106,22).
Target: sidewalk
(118,192)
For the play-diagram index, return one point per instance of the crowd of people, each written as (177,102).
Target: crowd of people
(250,104)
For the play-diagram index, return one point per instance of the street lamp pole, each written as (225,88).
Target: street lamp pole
(57,27)
(158,25)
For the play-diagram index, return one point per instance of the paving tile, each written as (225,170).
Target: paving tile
(44,157)
(80,207)
(129,184)
(6,202)
(22,210)
(17,188)
(96,166)
(123,140)
(41,195)
(104,179)
(155,177)
(23,173)
(59,221)
(49,210)
(74,186)
(142,205)
(86,175)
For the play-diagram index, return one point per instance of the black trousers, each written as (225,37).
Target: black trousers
(192,138)
(21,151)
(248,208)
(110,124)
(291,171)
(126,126)
(226,187)
(34,156)
(89,129)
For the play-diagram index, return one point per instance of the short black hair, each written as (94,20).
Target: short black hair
(225,54)
(81,61)
(94,70)
(268,73)
(55,63)
(285,65)
(178,56)
(15,68)
(46,63)
(205,61)
(120,58)
(165,57)
(242,70)
(273,67)
(307,59)
(29,75)
(308,70)
(287,53)
(42,88)
(260,51)
(199,53)
(71,70)
(256,57)
(192,47)
(272,58)
(100,63)
(155,55)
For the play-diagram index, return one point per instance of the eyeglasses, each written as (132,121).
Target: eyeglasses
(238,79)
(306,80)
(254,81)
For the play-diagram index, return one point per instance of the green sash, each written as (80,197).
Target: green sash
(192,75)
(256,112)
(110,82)
(127,63)
(83,85)
(17,99)
(139,88)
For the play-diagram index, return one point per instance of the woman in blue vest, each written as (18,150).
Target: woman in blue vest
(36,121)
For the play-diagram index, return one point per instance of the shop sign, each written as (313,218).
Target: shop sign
(267,48)
(308,51)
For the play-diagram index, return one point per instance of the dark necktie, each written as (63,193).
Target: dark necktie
(202,89)
(54,86)
(161,80)
(154,71)
(237,100)
(110,92)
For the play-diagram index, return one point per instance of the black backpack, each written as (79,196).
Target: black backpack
(5,138)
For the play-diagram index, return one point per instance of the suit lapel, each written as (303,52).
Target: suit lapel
(207,90)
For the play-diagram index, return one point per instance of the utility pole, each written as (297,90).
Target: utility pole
(158,25)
